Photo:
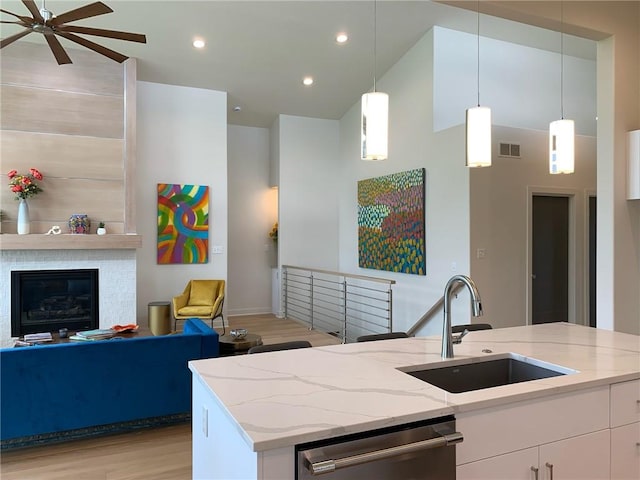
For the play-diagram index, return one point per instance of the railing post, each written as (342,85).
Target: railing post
(344,307)
(390,303)
(285,282)
(311,300)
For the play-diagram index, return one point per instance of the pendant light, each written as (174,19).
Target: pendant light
(374,127)
(478,126)
(561,132)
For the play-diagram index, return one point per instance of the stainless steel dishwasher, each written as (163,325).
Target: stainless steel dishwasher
(421,450)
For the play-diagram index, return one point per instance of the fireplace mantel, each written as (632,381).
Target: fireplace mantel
(70,242)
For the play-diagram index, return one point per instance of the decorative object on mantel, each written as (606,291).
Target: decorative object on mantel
(79,223)
(101,230)
(24,186)
(54,230)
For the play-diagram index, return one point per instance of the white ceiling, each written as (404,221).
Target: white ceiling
(259,51)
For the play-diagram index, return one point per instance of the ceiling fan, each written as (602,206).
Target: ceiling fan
(45,22)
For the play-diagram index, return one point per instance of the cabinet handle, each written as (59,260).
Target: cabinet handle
(535,472)
(550,467)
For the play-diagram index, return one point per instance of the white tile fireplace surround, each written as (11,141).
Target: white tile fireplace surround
(116,280)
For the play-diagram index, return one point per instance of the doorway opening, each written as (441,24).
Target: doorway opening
(552,273)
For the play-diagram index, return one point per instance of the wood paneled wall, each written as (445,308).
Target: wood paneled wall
(76,124)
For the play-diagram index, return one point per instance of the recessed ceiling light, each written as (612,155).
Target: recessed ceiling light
(198,43)
(307,81)
(342,37)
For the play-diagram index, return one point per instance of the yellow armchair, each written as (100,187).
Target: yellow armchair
(201,299)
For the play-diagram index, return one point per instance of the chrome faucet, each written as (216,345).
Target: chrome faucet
(476,309)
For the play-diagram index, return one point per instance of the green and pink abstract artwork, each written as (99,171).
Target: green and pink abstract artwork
(391,222)
(183,223)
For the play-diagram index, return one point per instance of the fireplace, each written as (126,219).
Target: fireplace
(47,300)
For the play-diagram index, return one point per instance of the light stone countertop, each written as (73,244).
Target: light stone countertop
(280,399)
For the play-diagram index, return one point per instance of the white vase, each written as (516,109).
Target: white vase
(24,223)
(101,231)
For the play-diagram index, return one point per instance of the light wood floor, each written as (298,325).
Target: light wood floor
(158,453)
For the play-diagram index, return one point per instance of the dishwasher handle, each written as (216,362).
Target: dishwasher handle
(328,466)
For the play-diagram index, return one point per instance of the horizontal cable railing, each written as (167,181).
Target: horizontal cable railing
(341,304)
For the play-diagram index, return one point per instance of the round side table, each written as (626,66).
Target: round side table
(159,317)
(232,346)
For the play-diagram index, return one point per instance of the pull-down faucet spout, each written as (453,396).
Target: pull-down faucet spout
(476,309)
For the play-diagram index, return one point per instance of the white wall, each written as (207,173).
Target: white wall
(500,222)
(252,212)
(310,183)
(412,144)
(521,84)
(182,138)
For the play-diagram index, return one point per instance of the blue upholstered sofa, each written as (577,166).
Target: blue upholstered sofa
(64,391)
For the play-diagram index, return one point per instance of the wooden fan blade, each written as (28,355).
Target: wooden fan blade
(91,10)
(118,57)
(61,56)
(33,9)
(13,38)
(99,32)
(27,20)
(15,23)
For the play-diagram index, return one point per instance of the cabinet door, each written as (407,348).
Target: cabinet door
(510,466)
(625,452)
(579,458)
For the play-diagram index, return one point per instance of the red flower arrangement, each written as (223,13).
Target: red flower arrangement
(25,186)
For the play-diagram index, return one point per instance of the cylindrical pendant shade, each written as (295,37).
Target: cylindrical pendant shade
(561,146)
(375,126)
(478,137)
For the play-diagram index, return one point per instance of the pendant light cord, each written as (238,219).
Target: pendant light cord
(561,60)
(375,43)
(478,49)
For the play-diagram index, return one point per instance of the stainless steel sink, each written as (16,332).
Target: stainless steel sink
(466,375)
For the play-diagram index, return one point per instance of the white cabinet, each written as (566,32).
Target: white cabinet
(510,466)
(569,432)
(584,457)
(625,452)
(625,431)
(220,452)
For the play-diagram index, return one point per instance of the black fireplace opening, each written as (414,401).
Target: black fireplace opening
(48,300)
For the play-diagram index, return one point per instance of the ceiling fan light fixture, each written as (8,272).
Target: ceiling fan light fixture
(53,26)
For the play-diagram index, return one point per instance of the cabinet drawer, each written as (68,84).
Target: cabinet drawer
(507,428)
(625,403)
(625,452)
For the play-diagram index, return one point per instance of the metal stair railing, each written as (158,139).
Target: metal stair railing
(341,304)
(431,312)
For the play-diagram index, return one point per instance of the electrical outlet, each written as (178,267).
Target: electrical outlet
(217,249)
(481,253)
(454,266)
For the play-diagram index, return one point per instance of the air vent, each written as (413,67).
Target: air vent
(510,150)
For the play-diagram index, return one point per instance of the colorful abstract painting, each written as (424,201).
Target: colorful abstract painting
(391,222)
(183,223)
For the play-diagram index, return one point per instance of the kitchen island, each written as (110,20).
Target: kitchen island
(250,411)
